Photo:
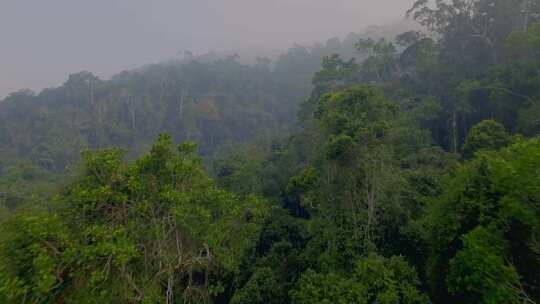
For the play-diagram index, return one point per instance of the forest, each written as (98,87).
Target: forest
(399,165)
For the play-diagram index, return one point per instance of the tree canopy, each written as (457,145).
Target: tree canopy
(375,169)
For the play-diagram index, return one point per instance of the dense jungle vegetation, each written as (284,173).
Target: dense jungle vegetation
(388,169)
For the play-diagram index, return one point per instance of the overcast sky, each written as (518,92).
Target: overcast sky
(42,41)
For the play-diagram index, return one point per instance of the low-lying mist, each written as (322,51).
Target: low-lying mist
(44,41)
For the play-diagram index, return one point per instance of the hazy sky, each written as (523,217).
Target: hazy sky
(42,41)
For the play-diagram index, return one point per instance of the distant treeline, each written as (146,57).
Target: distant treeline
(217,100)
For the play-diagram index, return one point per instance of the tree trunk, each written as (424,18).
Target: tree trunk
(454,132)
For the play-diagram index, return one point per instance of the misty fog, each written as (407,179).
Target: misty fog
(44,41)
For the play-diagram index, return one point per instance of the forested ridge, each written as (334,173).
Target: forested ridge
(375,169)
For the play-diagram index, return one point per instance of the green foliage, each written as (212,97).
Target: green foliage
(400,177)
(147,231)
(329,288)
(216,103)
(486,135)
(365,135)
(335,73)
(32,263)
(25,186)
(382,59)
(524,43)
(479,268)
(262,287)
(374,280)
(497,190)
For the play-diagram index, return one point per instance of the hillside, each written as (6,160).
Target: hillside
(367,171)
